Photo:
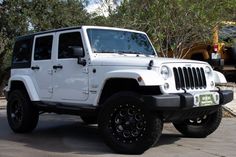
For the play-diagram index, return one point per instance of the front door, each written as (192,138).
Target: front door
(42,65)
(70,79)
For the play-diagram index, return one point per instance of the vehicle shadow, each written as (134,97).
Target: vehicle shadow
(168,138)
(66,134)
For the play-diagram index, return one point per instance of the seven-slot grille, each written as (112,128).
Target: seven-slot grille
(189,78)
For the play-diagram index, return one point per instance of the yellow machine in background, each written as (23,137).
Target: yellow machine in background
(220,54)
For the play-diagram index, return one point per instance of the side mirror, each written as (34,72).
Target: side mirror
(78,52)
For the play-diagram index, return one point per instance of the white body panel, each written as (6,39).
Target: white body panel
(71,82)
(43,79)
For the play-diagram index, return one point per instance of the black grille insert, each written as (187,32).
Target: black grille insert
(186,78)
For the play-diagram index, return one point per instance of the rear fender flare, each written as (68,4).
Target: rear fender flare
(29,86)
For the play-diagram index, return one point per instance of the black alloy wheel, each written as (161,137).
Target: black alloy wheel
(21,114)
(200,127)
(127,125)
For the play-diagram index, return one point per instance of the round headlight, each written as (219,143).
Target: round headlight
(208,70)
(165,72)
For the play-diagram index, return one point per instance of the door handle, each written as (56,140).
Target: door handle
(35,67)
(57,66)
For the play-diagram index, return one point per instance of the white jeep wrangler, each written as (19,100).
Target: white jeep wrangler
(112,77)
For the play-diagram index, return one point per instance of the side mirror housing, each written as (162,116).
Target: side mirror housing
(78,52)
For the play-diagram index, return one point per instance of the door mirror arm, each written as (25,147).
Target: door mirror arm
(81,61)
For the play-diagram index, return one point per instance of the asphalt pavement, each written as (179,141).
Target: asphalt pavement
(67,136)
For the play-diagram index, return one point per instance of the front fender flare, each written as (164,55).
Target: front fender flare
(219,77)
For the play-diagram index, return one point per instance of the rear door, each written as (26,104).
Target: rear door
(42,65)
(70,79)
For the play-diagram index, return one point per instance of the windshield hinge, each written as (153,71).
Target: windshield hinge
(150,64)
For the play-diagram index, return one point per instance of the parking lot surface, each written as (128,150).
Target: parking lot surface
(67,136)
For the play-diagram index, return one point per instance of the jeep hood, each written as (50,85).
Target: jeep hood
(139,61)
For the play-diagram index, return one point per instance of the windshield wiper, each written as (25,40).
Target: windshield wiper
(136,52)
(119,52)
(104,52)
(122,52)
(129,52)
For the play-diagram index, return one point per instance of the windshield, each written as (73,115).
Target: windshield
(113,41)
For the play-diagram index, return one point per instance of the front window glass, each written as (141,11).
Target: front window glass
(67,40)
(113,41)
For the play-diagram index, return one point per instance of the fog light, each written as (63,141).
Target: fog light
(166,86)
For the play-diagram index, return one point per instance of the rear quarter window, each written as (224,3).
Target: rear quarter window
(22,53)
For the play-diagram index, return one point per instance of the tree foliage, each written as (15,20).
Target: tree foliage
(55,14)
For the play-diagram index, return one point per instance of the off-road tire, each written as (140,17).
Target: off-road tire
(89,119)
(202,127)
(21,114)
(127,125)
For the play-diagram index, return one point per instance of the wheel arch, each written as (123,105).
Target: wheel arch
(115,85)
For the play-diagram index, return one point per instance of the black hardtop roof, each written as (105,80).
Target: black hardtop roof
(45,32)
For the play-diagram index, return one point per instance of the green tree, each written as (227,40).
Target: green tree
(52,14)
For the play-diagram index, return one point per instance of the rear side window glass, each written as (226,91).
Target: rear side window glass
(66,41)
(22,53)
(43,48)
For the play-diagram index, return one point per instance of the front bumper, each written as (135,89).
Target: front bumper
(182,100)
(179,107)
